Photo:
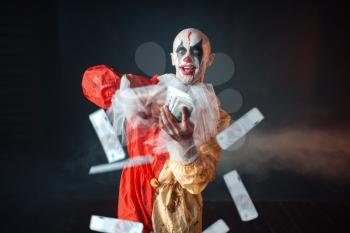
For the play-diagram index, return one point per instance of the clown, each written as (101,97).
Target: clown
(166,194)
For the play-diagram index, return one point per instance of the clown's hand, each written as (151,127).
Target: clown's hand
(181,148)
(179,131)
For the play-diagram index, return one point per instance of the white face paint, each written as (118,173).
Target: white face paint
(191,55)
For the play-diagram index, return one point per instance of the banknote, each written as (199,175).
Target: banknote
(176,99)
(240,196)
(218,227)
(107,136)
(114,225)
(239,128)
(108,167)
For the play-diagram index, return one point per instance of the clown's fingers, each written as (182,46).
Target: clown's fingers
(166,125)
(184,112)
(186,123)
(171,120)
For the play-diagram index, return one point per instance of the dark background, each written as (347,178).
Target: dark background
(291,61)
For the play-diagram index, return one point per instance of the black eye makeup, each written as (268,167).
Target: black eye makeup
(181,50)
(197,50)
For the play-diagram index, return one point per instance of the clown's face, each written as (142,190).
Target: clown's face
(191,55)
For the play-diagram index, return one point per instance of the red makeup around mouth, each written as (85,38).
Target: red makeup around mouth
(187,69)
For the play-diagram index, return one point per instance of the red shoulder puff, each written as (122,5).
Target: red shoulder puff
(99,84)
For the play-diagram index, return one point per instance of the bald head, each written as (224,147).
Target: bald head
(191,36)
(191,55)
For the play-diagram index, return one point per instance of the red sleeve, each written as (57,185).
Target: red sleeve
(154,79)
(101,82)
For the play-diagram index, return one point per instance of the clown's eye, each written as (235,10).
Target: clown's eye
(195,52)
(182,52)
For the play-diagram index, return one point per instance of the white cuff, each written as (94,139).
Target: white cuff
(183,152)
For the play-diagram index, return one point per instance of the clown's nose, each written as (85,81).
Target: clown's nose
(188,59)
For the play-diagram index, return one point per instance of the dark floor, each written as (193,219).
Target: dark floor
(283,217)
(274,217)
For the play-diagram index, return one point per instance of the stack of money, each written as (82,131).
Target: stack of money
(240,196)
(176,100)
(239,128)
(137,161)
(113,225)
(107,136)
(218,227)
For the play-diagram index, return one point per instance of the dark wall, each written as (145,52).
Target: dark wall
(291,61)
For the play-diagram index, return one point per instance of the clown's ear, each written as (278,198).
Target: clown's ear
(173,58)
(211,59)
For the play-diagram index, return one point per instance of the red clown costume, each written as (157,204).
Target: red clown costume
(164,195)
